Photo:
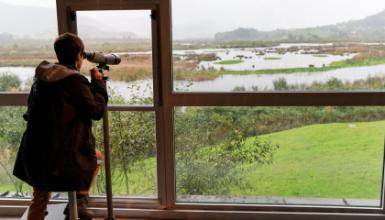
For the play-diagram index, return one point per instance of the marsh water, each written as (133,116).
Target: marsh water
(252,59)
(262,58)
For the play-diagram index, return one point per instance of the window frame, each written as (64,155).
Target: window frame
(165,100)
(68,23)
(179,99)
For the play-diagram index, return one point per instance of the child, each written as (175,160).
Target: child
(57,151)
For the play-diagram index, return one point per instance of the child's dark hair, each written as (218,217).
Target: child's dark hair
(67,47)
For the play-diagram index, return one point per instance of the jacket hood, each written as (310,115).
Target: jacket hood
(51,72)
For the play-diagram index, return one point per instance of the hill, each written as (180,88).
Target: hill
(369,29)
(39,22)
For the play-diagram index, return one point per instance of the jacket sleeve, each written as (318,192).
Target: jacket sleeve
(90,98)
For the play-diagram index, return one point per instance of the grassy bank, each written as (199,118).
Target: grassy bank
(340,160)
(141,181)
(229,62)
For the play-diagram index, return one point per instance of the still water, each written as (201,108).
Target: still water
(262,58)
(128,90)
(225,83)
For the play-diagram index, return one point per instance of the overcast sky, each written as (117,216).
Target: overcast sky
(192,18)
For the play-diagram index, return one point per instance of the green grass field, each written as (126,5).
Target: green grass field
(141,181)
(327,161)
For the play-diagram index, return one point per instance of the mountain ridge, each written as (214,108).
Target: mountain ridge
(41,23)
(371,28)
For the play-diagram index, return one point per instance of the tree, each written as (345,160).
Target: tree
(132,140)
(212,152)
(11,132)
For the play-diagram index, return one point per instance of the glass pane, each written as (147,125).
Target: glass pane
(256,46)
(127,33)
(133,154)
(280,155)
(11,131)
(133,149)
(28,30)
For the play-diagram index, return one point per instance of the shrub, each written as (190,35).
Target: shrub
(9,82)
(280,84)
